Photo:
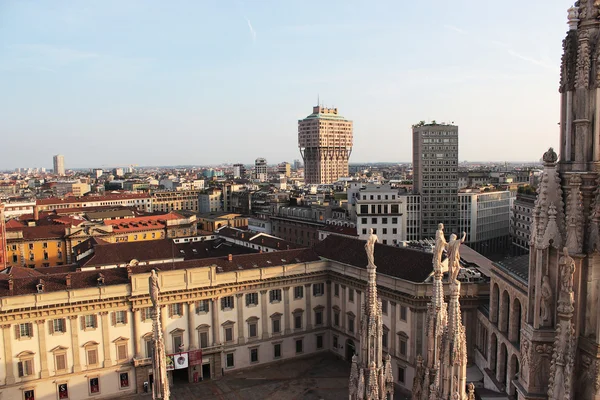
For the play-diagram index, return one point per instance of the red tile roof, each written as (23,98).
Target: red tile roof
(40,232)
(259,239)
(84,199)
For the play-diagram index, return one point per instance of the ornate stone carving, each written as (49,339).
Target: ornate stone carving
(454,256)
(575,218)
(594,229)
(582,76)
(525,357)
(546,303)
(568,63)
(550,157)
(370,247)
(566,299)
(160,388)
(440,246)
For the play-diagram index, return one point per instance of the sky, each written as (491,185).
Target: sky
(198,82)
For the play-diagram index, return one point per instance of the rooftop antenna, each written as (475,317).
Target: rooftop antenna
(318,101)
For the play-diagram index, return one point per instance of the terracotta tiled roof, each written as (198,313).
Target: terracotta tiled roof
(257,238)
(41,232)
(141,223)
(403,263)
(342,230)
(14,224)
(110,197)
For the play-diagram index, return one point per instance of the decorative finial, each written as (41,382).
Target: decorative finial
(550,157)
(573,17)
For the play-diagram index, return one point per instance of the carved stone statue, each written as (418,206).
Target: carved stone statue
(471,391)
(440,246)
(454,256)
(153,288)
(566,272)
(370,247)
(546,304)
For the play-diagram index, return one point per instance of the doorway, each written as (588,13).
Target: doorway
(205,371)
(180,375)
(350,350)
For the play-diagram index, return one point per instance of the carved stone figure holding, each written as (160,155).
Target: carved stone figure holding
(546,304)
(154,288)
(440,246)
(454,256)
(566,272)
(370,247)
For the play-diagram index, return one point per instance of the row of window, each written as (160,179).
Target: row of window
(275,296)
(379,209)
(375,220)
(30,246)
(93,387)
(254,351)
(384,231)
(386,197)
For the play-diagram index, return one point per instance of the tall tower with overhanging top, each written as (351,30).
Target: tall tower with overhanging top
(325,142)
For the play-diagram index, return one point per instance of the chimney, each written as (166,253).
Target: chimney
(68,279)
(11,283)
(229,257)
(36,213)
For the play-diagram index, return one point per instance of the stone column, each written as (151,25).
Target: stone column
(137,320)
(286,310)
(308,298)
(75,342)
(8,356)
(240,317)
(392,333)
(192,337)
(215,321)
(343,312)
(105,339)
(357,294)
(43,351)
(263,313)
(328,310)
(164,309)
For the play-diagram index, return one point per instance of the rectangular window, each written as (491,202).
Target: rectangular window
(147,313)
(298,292)
(124,380)
(176,310)
(203,340)
(275,295)
(374,221)
(277,350)
(29,395)
(15,258)
(89,322)
(319,341)
(25,368)
(252,330)
(350,294)
(298,321)
(202,307)
(364,220)
(402,313)
(253,355)
(384,306)
(384,220)
(394,220)
(384,339)
(60,362)
(24,330)
(120,317)
(63,391)
(336,290)
(318,289)
(94,385)
(299,346)
(121,351)
(351,324)
(276,325)
(401,372)
(227,303)
(92,357)
(251,299)
(335,341)
(336,318)
(57,326)
(403,347)
(228,334)
(229,362)
(318,317)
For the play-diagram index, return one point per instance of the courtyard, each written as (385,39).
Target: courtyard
(320,377)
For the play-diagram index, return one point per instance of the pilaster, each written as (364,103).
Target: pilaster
(328,309)
(192,336)
(240,318)
(392,337)
(75,342)
(137,320)
(286,310)
(8,356)
(214,309)
(105,339)
(263,311)
(308,297)
(343,312)
(43,349)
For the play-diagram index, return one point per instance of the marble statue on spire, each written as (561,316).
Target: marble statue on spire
(160,387)
(371,373)
(444,374)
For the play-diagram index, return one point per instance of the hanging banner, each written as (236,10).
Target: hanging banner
(170,362)
(181,360)
(195,357)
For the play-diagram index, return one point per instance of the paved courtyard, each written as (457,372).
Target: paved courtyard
(322,377)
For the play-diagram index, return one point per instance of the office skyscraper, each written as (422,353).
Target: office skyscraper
(435,176)
(260,169)
(59,164)
(325,142)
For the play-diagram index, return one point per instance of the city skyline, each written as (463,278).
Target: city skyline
(105,96)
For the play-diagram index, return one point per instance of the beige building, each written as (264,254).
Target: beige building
(325,142)
(174,200)
(89,332)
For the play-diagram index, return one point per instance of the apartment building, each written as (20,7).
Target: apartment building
(378,207)
(175,200)
(141,201)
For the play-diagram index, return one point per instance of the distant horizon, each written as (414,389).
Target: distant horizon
(120,83)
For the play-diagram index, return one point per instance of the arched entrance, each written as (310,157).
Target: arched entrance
(513,374)
(350,350)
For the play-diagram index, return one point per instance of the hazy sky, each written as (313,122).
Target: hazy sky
(201,82)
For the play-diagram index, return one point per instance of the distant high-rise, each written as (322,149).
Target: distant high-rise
(59,164)
(435,176)
(239,170)
(260,169)
(325,142)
